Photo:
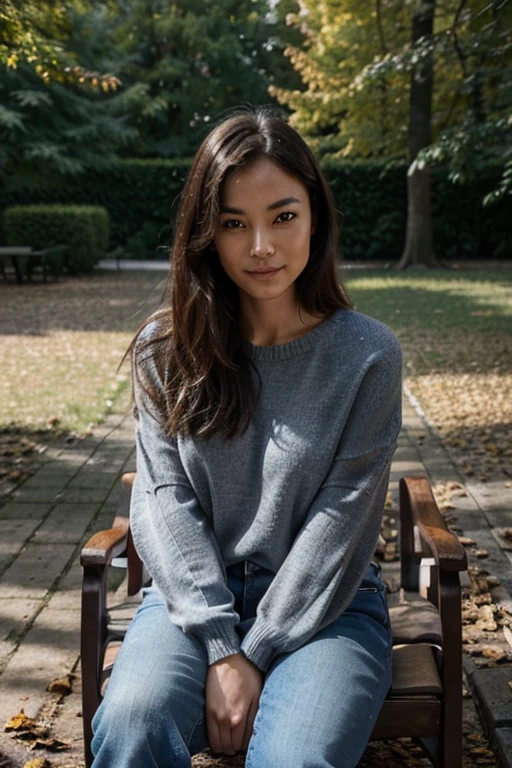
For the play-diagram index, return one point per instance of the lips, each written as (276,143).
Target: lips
(264,274)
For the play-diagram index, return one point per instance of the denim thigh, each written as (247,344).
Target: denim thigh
(319,703)
(153,713)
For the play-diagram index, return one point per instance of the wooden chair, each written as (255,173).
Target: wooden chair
(425,700)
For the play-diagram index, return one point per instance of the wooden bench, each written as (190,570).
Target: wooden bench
(425,700)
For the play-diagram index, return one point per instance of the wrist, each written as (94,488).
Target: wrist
(230,660)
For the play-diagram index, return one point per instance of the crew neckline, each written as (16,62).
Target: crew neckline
(297,346)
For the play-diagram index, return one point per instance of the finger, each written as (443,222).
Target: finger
(213,733)
(225,739)
(249,724)
(238,735)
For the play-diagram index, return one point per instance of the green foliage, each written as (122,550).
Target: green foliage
(356,61)
(183,63)
(36,33)
(49,129)
(83,228)
(372,196)
(22,38)
(340,37)
(141,197)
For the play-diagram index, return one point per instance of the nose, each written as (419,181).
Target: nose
(261,246)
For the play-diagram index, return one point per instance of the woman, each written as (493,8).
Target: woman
(268,413)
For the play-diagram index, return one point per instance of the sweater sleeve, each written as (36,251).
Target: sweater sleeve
(174,537)
(333,549)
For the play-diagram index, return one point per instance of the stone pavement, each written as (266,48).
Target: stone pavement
(45,522)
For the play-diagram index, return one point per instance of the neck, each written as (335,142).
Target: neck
(266,323)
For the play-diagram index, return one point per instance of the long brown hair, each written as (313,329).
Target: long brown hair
(199,350)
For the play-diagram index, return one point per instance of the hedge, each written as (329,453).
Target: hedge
(141,197)
(372,195)
(84,228)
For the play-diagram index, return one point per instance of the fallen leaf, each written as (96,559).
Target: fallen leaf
(62,685)
(466,542)
(508,635)
(494,652)
(52,745)
(19,722)
(39,762)
(34,733)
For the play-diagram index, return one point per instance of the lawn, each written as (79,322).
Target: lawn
(61,344)
(456,332)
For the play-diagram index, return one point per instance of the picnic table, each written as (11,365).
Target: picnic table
(24,257)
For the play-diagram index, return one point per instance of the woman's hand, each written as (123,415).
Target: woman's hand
(233,688)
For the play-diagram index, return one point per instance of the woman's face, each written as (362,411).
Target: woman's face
(264,230)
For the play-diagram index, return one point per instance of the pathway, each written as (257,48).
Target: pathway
(45,522)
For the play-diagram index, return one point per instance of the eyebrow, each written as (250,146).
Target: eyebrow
(271,207)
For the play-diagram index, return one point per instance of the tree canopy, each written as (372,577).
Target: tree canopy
(355,62)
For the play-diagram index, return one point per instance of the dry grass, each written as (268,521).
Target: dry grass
(456,332)
(61,344)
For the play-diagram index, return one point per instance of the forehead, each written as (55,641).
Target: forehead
(262,180)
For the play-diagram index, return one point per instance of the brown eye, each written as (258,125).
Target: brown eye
(232,224)
(286,216)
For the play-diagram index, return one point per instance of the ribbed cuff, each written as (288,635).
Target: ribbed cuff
(261,644)
(219,646)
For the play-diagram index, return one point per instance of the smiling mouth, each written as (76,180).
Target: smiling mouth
(264,273)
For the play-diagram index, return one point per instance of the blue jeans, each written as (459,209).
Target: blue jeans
(318,704)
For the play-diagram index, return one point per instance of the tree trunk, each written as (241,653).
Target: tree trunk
(418,249)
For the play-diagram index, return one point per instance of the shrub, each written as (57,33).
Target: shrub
(372,196)
(83,228)
(138,194)
(141,196)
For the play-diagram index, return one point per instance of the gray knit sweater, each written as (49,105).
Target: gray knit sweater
(301,493)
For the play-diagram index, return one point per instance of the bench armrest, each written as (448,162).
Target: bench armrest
(442,544)
(104,546)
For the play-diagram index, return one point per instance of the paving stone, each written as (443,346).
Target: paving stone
(69,724)
(14,510)
(502,745)
(81,495)
(15,615)
(66,523)
(49,650)
(96,480)
(499,518)
(494,696)
(35,570)
(114,496)
(403,467)
(104,520)
(7,648)
(73,459)
(130,464)
(35,495)
(14,534)
(50,478)
(68,594)
(107,463)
